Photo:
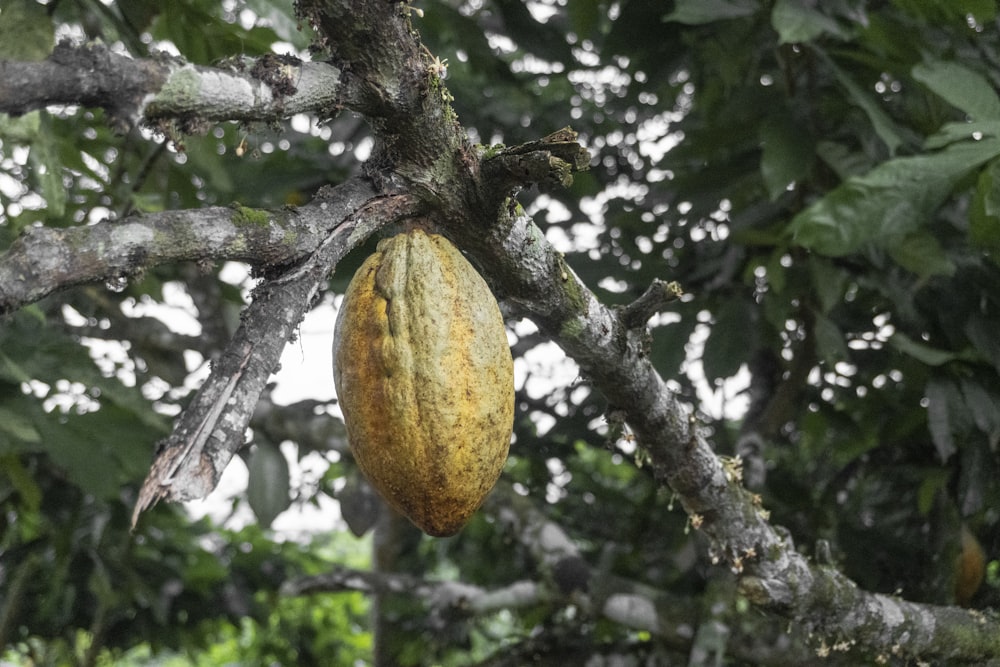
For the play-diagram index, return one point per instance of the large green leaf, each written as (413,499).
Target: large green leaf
(890,202)
(961,87)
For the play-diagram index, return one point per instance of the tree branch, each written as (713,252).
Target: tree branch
(514,256)
(43,260)
(268,88)
(211,429)
(397,84)
(612,356)
(564,580)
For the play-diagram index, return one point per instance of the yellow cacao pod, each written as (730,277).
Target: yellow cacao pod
(425,380)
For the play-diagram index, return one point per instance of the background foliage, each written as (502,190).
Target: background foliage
(822,178)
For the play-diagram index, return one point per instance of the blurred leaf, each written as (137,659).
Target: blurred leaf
(982,403)
(940,398)
(982,331)
(830,343)
(22,481)
(202,35)
(698,12)
(543,39)
(961,87)
(359,504)
(269,486)
(797,22)
(26,31)
(20,129)
(787,154)
(976,477)
(936,11)
(925,353)
(585,17)
(984,214)
(732,335)
(828,282)
(922,254)
(841,160)
(932,485)
(279,16)
(882,123)
(889,202)
(776,274)
(950,133)
(16,425)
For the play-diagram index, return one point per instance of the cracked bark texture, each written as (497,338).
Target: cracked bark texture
(424,164)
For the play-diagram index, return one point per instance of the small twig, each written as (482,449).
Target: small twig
(547,162)
(653,300)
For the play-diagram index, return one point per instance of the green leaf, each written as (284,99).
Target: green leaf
(787,154)
(961,87)
(921,352)
(795,22)
(984,214)
(48,168)
(776,273)
(942,399)
(890,202)
(948,11)
(700,12)
(830,343)
(844,162)
(12,371)
(26,31)
(279,16)
(981,330)
(730,341)
(18,427)
(982,404)
(923,255)
(883,125)
(953,132)
(22,481)
(935,481)
(585,16)
(22,129)
(268,486)
(828,283)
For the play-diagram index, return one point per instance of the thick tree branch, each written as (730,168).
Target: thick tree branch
(397,84)
(91,76)
(44,259)
(268,88)
(610,350)
(612,355)
(211,429)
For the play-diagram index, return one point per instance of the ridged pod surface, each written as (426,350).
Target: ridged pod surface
(425,380)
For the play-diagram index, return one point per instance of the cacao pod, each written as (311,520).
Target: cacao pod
(425,380)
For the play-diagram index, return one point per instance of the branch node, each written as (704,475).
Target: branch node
(547,163)
(654,299)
